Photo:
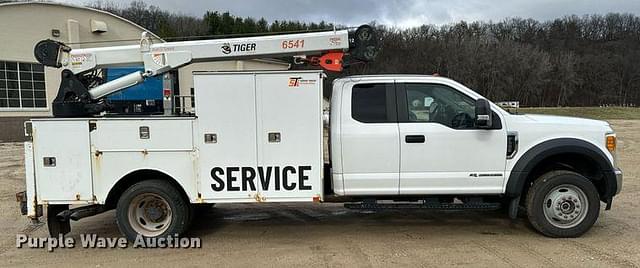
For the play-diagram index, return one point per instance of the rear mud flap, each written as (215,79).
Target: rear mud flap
(54,223)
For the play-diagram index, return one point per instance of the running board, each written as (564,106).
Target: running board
(424,205)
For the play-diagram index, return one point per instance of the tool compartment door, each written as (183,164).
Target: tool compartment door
(289,108)
(120,146)
(62,161)
(226,136)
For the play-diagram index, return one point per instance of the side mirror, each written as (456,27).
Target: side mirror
(483,114)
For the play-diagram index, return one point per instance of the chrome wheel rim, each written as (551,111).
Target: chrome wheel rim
(565,206)
(149,214)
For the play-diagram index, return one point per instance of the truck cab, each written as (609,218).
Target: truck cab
(415,137)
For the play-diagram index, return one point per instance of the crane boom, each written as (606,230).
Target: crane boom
(160,56)
(80,96)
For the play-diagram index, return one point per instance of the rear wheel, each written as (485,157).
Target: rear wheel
(563,204)
(152,208)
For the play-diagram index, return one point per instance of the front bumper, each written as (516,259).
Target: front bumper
(618,173)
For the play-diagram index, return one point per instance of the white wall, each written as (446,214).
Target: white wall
(23,25)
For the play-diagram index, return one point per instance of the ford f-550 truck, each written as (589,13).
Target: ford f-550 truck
(395,141)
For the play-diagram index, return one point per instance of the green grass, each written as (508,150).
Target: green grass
(601,113)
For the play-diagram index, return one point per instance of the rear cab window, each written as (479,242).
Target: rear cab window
(373,103)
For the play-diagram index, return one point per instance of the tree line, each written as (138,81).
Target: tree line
(570,61)
(172,26)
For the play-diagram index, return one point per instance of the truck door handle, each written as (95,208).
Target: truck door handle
(414,139)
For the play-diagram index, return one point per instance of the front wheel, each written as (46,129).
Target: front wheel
(563,204)
(152,208)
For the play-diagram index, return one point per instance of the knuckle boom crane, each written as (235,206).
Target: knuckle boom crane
(82,92)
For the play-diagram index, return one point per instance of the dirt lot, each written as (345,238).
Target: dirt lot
(329,235)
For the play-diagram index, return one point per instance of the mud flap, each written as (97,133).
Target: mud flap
(514,204)
(54,223)
(21,197)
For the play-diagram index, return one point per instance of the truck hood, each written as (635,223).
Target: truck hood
(565,120)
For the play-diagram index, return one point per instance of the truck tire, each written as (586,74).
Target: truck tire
(562,204)
(152,208)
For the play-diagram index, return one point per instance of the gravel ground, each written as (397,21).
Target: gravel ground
(329,235)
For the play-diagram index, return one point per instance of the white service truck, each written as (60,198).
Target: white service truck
(395,142)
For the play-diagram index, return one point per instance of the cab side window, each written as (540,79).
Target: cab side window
(373,103)
(441,104)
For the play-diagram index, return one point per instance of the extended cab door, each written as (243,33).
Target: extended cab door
(369,134)
(442,152)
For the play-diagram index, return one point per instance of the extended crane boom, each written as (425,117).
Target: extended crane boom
(81,95)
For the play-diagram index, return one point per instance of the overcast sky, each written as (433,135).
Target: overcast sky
(402,13)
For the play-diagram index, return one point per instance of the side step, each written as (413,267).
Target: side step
(368,205)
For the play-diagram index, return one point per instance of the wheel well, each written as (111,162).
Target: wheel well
(137,176)
(576,162)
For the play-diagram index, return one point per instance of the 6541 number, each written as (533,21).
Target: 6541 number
(289,44)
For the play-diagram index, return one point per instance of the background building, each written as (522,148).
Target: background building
(28,88)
